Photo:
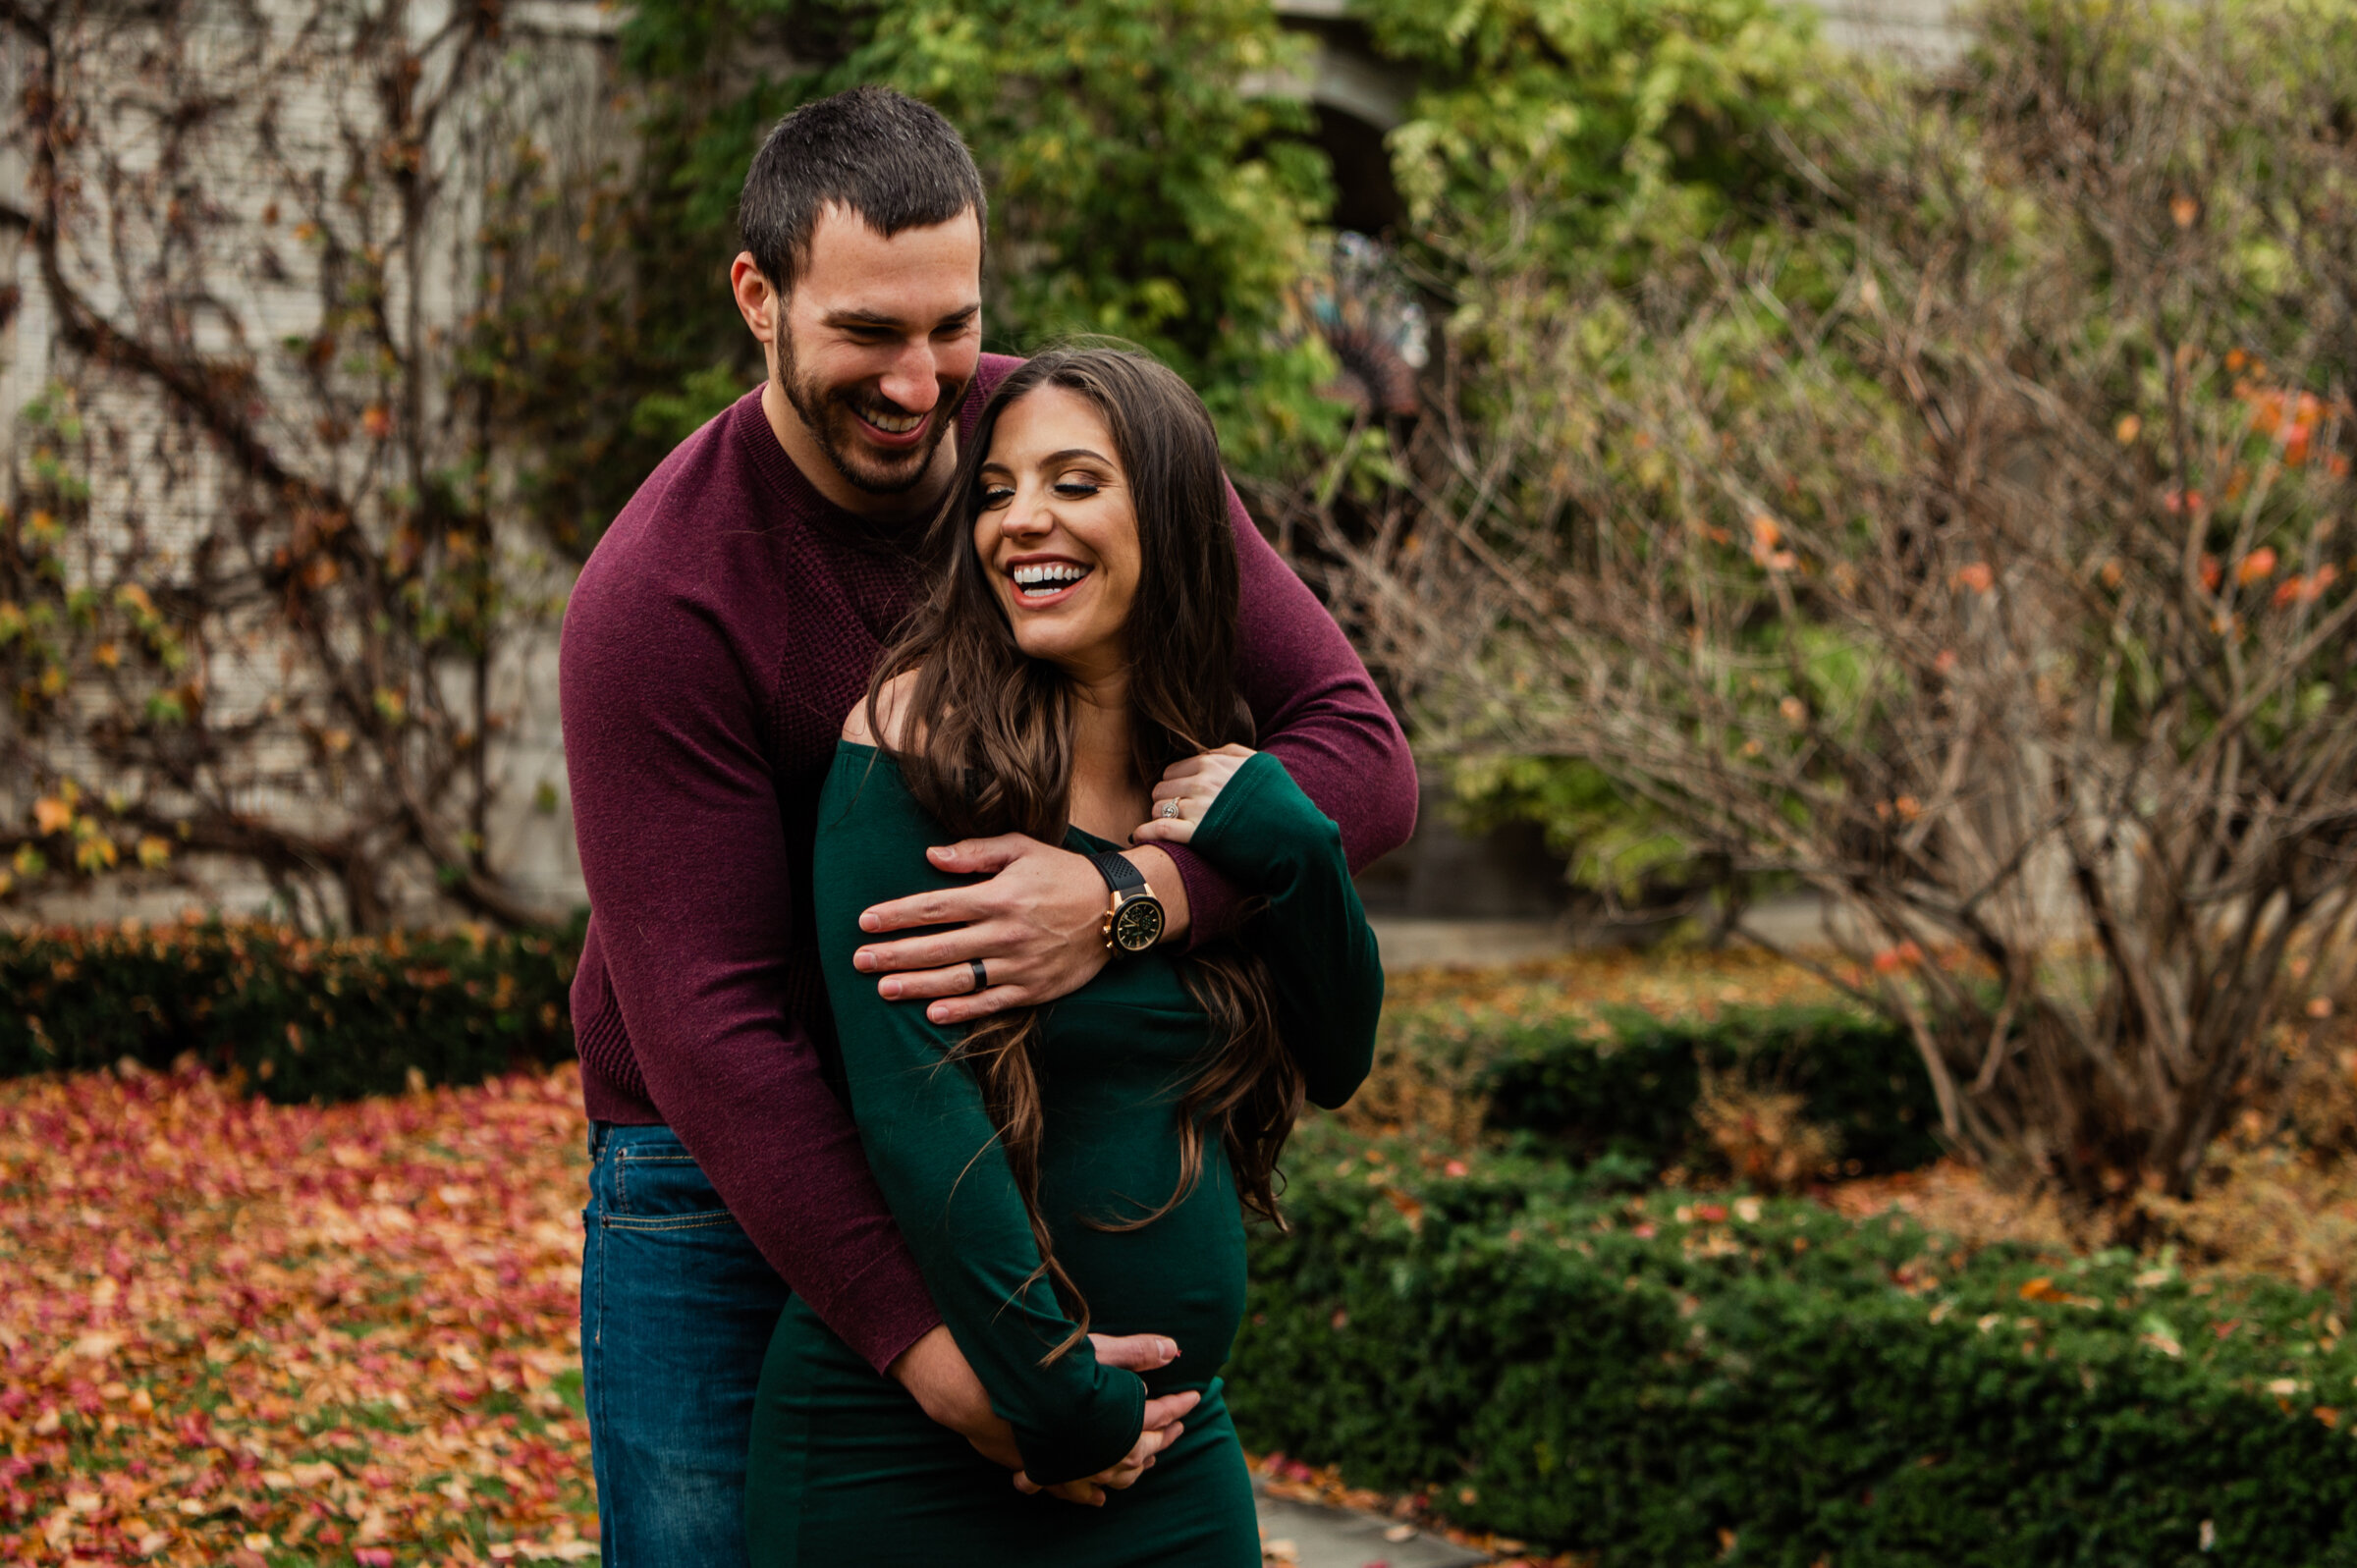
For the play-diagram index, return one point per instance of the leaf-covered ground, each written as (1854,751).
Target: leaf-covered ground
(245,1333)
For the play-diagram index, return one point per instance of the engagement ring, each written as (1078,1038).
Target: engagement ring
(1169,807)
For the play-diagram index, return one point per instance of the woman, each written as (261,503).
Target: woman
(1084,1164)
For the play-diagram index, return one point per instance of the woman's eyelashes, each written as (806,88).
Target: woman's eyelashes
(1071,487)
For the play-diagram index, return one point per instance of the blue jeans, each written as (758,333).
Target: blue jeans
(677,1312)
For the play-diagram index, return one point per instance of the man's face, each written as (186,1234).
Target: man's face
(879,340)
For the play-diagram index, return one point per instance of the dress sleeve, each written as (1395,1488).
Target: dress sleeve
(1268,839)
(935,1152)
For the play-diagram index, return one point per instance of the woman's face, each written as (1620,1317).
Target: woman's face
(1057,533)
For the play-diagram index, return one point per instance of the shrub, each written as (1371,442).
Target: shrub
(298,1018)
(1767,1382)
(1969,543)
(1635,1092)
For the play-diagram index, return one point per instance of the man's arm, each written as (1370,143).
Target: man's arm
(1317,712)
(685,860)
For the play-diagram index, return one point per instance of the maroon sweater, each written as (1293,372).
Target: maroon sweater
(722,629)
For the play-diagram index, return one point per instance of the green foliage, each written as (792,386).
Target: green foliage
(2011,449)
(1566,141)
(1577,128)
(1615,844)
(298,1018)
(1137,190)
(1666,1383)
(1632,1094)
(607,335)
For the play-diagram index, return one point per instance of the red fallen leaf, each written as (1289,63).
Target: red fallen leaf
(372,1557)
(1410,1208)
(1907,955)
(1713,1212)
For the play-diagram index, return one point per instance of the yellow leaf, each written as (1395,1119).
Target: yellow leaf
(153,851)
(52,815)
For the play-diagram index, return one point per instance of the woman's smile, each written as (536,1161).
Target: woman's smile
(1044,580)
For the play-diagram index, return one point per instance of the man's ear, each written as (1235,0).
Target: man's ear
(760,305)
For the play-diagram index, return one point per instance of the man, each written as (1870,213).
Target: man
(723,626)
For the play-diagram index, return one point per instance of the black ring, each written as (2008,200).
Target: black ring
(982,975)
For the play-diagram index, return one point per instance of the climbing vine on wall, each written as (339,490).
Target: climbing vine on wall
(256,577)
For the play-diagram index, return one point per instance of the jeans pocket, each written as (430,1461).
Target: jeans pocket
(657,1185)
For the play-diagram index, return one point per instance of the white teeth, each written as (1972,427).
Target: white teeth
(894,424)
(1048,577)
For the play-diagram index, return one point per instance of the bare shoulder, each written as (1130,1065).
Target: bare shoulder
(891,710)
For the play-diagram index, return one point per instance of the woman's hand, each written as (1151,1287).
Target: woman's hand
(1163,1427)
(1185,794)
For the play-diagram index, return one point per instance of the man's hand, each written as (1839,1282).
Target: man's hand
(1163,1427)
(943,1383)
(1037,924)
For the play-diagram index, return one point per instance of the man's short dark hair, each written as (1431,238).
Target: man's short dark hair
(891,160)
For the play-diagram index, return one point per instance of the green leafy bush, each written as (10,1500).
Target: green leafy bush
(1633,1093)
(1766,1381)
(299,1018)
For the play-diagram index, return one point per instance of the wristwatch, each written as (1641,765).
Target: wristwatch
(1133,920)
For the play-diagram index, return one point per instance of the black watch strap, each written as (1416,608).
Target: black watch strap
(1119,874)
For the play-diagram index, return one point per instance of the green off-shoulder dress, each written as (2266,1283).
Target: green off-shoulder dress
(844,1469)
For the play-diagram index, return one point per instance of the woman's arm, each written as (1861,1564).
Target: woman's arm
(934,1152)
(1269,840)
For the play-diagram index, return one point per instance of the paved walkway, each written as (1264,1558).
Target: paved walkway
(1310,1536)
(1792,920)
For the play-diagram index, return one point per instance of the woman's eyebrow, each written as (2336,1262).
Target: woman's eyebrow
(1069,452)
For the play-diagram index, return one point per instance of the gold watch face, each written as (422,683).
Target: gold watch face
(1138,924)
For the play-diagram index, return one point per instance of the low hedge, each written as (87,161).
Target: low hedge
(1661,1383)
(1630,1093)
(299,1018)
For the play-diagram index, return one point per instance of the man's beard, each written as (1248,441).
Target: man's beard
(831,416)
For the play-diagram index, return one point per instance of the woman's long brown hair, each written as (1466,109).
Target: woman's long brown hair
(986,749)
